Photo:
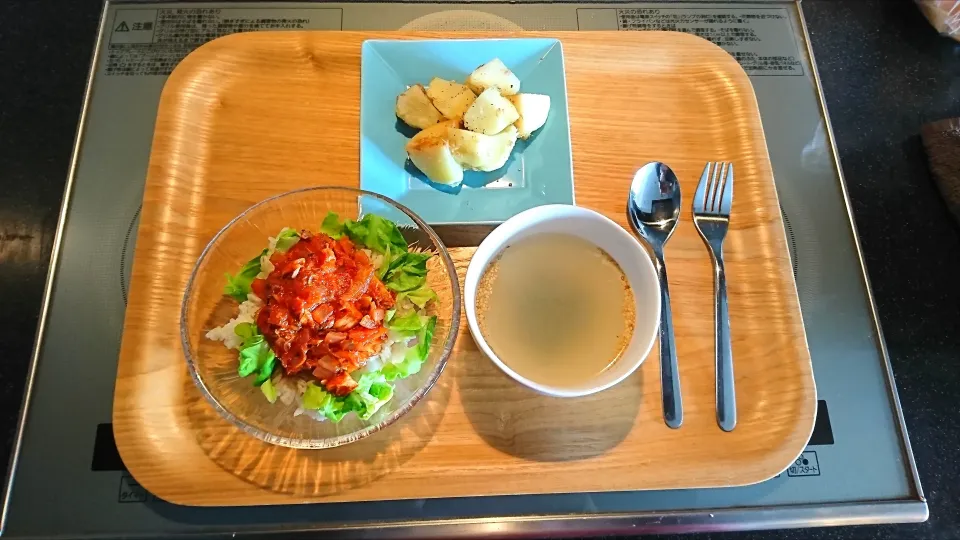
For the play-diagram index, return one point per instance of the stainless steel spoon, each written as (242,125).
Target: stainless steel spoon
(653,208)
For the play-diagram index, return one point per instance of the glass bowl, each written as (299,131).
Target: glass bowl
(214,367)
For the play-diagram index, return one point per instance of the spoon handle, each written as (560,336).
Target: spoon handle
(669,372)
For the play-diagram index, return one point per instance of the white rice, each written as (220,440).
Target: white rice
(265,265)
(286,388)
(227,333)
(375,258)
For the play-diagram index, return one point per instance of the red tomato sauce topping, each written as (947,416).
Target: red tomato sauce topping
(323,309)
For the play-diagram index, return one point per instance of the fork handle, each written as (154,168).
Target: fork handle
(726,398)
(669,372)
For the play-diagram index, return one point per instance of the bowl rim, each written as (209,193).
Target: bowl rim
(475,273)
(327,442)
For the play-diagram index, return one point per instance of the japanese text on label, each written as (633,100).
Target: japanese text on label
(153,41)
(760,39)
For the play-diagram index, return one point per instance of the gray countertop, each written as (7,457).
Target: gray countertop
(884,70)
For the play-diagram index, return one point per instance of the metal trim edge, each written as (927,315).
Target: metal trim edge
(881,342)
(51,272)
(566,526)
(719,520)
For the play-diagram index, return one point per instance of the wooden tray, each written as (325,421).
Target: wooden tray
(252,115)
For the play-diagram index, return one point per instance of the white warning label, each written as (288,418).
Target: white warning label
(761,39)
(133,26)
(153,41)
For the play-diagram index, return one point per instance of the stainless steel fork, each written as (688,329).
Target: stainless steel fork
(711,215)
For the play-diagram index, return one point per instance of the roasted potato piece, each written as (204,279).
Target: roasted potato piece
(452,99)
(436,130)
(416,109)
(533,109)
(494,74)
(482,152)
(432,155)
(490,113)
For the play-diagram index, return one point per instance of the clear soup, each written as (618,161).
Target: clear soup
(556,309)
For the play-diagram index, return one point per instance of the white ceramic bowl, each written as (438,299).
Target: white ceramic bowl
(602,232)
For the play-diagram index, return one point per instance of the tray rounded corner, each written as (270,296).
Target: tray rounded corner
(797,442)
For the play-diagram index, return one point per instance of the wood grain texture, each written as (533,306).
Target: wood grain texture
(252,115)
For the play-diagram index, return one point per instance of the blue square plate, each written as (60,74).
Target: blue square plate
(540,171)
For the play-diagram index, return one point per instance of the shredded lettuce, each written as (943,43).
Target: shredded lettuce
(286,239)
(371,393)
(238,286)
(250,348)
(410,365)
(331,226)
(269,391)
(375,233)
(407,272)
(266,369)
(318,399)
(372,231)
(406,325)
(252,357)
(419,297)
(255,354)
(387,258)
(246,331)
(415,357)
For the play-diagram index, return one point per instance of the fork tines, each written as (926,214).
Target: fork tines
(714,195)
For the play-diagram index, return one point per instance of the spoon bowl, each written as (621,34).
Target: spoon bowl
(654,202)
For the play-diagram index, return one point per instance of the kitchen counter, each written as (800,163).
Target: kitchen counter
(884,71)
